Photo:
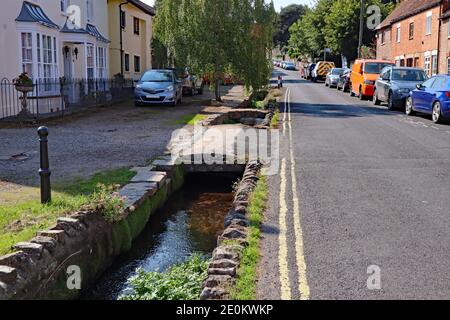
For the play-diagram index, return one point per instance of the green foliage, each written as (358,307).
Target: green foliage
(21,220)
(109,201)
(333,24)
(245,288)
(218,37)
(275,120)
(285,19)
(180,282)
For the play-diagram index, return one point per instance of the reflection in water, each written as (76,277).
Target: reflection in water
(190,222)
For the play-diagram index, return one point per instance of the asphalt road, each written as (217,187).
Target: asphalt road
(360,189)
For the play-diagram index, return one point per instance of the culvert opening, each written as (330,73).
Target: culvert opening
(189,222)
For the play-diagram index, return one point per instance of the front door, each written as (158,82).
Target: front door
(68,61)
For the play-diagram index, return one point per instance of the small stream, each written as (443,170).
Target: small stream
(190,222)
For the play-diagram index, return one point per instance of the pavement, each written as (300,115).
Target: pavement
(360,207)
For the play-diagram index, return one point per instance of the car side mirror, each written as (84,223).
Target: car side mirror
(420,87)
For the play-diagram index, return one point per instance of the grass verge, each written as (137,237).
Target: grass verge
(190,119)
(275,120)
(245,288)
(21,220)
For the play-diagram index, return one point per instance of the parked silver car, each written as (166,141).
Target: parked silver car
(395,83)
(333,76)
(158,87)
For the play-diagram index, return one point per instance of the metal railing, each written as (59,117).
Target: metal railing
(59,97)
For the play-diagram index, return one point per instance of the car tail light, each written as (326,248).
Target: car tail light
(447,94)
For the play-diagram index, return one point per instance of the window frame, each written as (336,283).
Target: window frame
(137,64)
(429,23)
(136,26)
(411,30)
(126,62)
(398,34)
(123,19)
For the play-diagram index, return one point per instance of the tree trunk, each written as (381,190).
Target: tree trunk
(217,90)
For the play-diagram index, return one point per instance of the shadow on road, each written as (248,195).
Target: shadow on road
(337,110)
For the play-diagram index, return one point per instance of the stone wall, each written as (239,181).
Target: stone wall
(250,117)
(38,269)
(226,257)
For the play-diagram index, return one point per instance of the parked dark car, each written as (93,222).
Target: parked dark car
(309,71)
(333,76)
(344,81)
(158,87)
(395,83)
(431,97)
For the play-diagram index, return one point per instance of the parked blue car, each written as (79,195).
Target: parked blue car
(431,97)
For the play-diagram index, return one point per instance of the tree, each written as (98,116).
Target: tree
(218,37)
(334,24)
(285,19)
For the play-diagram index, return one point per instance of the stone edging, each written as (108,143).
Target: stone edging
(222,270)
(251,117)
(37,269)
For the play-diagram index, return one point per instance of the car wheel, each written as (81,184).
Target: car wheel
(375,99)
(437,112)
(391,103)
(409,107)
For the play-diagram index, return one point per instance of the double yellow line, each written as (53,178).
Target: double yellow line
(303,288)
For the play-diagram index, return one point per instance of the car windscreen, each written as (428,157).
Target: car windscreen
(375,67)
(337,72)
(409,75)
(157,76)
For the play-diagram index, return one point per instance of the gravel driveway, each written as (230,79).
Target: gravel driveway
(83,145)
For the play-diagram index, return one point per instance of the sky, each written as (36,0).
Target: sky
(278,3)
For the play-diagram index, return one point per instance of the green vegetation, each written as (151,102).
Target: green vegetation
(215,38)
(245,288)
(21,220)
(262,99)
(190,119)
(332,24)
(287,16)
(275,120)
(180,282)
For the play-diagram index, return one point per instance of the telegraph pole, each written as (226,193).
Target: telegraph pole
(361,28)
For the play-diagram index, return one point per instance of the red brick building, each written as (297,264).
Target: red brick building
(412,35)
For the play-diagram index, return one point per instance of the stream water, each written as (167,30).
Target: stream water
(190,222)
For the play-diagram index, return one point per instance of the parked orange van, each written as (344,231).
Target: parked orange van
(364,74)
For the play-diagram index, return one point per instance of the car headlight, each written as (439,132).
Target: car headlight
(369,82)
(139,87)
(169,89)
(404,90)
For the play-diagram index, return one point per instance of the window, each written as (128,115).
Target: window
(434,65)
(402,63)
(64,5)
(383,37)
(427,65)
(428,23)
(409,62)
(398,35)
(411,31)
(101,63)
(136,26)
(448,29)
(137,64)
(27,53)
(429,83)
(127,62)
(90,61)
(48,67)
(440,83)
(123,19)
(90,10)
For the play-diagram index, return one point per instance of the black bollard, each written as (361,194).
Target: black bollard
(44,171)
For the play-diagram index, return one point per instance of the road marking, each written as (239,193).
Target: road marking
(285,111)
(303,286)
(283,243)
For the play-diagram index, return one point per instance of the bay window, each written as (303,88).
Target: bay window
(90,61)
(101,63)
(27,53)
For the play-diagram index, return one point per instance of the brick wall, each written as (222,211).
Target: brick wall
(444,52)
(421,44)
(384,44)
